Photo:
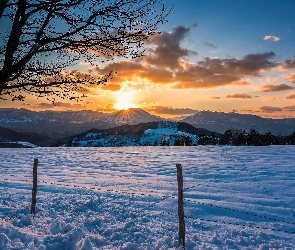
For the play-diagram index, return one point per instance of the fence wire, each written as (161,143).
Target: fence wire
(134,193)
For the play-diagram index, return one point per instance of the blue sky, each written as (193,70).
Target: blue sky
(237,27)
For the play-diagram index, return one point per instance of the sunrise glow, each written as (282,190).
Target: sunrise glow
(189,67)
(124,100)
(124,105)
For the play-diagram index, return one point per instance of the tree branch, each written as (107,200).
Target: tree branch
(103,29)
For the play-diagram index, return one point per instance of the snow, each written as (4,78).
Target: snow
(23,143)
(160,131)
(126,198)
(150,137)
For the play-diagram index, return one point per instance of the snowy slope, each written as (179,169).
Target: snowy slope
(165,133)
(126,198)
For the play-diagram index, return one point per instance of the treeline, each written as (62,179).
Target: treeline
(239,137)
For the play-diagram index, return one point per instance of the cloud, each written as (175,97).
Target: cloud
(210,45)
(273,38)
(247,110)
(171,111)
(291,77)
(270,109)
(289,108)
(218,72)
(109,108)
(165,63)
(275,88)
(45,105)
(83,63)
(201,77)
(166,50)
(207,73)
(111,87)
(128,70)
(290,96)
(239,96)
(287,65)
(271,79)
(245,82)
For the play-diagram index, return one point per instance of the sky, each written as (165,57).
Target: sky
(217,55)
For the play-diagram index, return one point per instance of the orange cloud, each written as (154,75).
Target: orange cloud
(275,88)
(250,65)
(109,108)
(290,96)
(289,64)
(270,79)
(57,105)
(291,77)
(111,87)
(219,72)
(164,63)
(245,82)
(290,108)
(128,70)
(270,109)
(239,96)
(171,111)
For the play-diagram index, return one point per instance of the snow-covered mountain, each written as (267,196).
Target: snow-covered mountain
(163,133)
(57,125)
(220,122)
(60,124)
(131,116)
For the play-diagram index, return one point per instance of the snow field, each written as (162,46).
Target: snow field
(126,198)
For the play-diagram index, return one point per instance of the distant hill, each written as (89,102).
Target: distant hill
(11,138)
(60,124)
(220,122)
(163,133)
(47,127)
(131,117)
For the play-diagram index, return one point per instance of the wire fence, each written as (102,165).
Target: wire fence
(135,193)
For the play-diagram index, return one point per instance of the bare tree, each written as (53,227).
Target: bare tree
(41,41)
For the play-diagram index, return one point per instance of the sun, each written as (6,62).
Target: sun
(124,105)
(124,101)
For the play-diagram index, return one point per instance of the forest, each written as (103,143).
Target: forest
(239,137)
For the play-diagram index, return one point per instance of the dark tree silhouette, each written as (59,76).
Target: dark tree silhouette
(290,139)
(41,41)
(268,139)
(228,137)
(253,138)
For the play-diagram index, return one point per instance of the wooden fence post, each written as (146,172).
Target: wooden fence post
(34,190)
(180,207)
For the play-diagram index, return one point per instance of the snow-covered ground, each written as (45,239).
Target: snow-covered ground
(126,198)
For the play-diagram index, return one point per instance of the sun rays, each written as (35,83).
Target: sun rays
(124,100)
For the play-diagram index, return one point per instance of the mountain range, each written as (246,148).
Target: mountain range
(220,122)
(60,124)
(47,128)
